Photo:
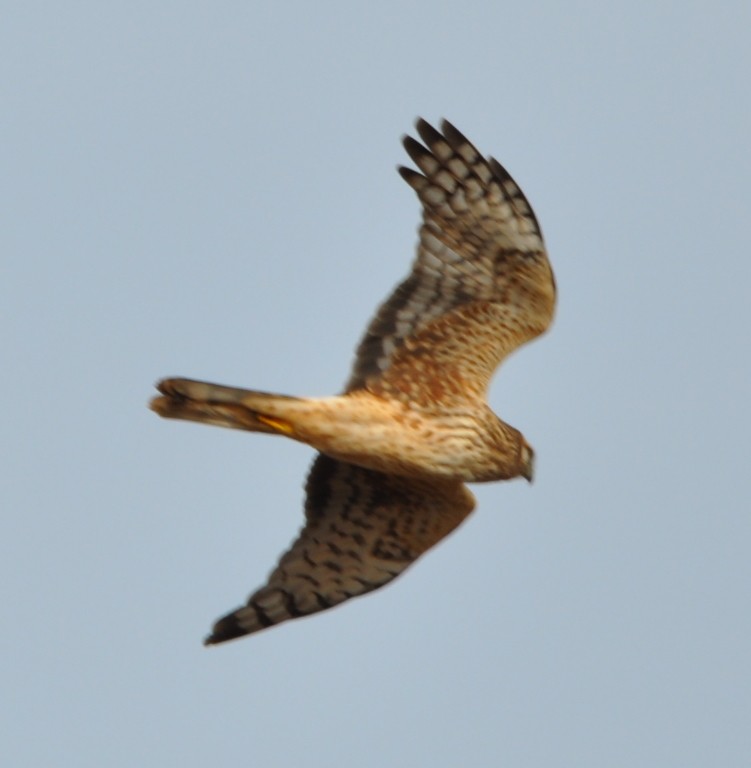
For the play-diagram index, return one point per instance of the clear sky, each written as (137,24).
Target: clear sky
(208,190)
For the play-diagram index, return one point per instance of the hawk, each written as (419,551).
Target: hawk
(412,426)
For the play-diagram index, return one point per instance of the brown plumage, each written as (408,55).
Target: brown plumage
(413,424)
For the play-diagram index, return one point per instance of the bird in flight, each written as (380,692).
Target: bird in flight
(412,426)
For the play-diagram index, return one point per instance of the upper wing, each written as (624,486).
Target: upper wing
(479,242)
(362,529)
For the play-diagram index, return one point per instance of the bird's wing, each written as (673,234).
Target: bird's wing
(479,243)
(362,530)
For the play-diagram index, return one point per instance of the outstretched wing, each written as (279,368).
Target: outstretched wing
(479,242)
(362,530)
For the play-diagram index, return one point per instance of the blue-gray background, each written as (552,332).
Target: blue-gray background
(208,190)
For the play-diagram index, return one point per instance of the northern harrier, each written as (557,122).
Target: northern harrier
(413,424)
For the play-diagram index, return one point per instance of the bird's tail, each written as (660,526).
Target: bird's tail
(224,406)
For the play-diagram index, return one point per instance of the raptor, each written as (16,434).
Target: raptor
(412,425)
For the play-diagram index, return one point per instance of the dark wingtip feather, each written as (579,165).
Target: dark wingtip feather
(426,131)
(415,150)
(409,174)
(498,170)
(225,629)
(456,138)
(452,133)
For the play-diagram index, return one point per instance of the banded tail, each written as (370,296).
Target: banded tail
(222,406)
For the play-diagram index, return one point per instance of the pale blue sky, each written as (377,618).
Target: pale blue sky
(208,190)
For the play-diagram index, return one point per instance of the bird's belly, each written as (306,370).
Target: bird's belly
(410,445)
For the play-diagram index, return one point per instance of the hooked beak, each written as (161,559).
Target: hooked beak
(528,466)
